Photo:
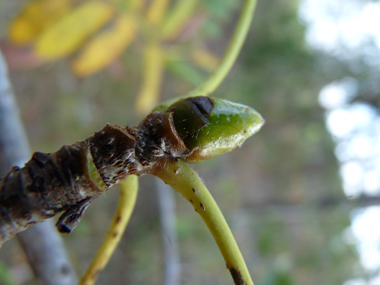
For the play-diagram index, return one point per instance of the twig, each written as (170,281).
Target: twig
(231,54)
(127,201)
(228,59)
(148,97)
(42,243)
(187,182)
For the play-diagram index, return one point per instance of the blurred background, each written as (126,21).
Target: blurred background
(300,196)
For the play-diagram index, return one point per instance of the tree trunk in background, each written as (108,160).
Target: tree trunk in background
(169,235)
(42,243)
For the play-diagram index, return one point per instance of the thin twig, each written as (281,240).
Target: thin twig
(148,97)
(186,181)
(235,44)
(127,201)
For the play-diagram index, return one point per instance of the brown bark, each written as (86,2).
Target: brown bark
(68,180)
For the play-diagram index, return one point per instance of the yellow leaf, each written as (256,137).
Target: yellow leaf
(156,11)
(21,32)
(36,16)
(106,47)
(152,80)
(68,33)
(204,59)
(177,18)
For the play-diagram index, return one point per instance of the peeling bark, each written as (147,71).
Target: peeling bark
(68,180)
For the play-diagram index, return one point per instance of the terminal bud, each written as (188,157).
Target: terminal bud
(212,126)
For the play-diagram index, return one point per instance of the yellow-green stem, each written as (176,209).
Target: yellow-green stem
(185,180)
(229,57)
(232,52)
(127,200)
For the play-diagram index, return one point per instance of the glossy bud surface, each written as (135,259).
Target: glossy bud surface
(212,126)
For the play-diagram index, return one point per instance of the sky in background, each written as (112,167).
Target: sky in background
(350,29)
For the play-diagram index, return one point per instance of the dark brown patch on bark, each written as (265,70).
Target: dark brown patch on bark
(203,207)
(108,147)
(158,139)
(72,216)
(61,182)
(48,184)
(236,276)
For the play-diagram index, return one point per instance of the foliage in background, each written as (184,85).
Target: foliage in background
(93,34)
(282,192)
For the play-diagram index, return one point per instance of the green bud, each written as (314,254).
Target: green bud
(212,126)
